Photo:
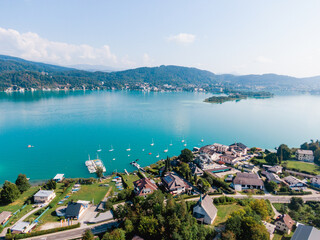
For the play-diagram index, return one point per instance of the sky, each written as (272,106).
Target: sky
(238,37)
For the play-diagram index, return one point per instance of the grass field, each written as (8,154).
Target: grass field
(303,166)
(129,179)
(224,211)
(90,192)
(16,205)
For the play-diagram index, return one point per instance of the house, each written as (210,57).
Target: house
(239,148)
(22,227)
(220,147)
(195,170)
(76,209)
(44,196)
(228,158)
(275,169)
(247,181)
(273,177)
(4,217)
(174,184)
(59,177)
(284,223)
(204,211)
(204,161)
(304,232)
(305,155)
(144,186)
(270,228)
(248,167)
(294,183)
(315,181)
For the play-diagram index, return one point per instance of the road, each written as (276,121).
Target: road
(4,231)
(271,198)
(76,233)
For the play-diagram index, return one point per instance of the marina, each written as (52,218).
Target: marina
(93,165)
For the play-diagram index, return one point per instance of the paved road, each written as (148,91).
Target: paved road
(76,233)
(4,231)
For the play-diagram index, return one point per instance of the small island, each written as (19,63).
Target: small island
(237,96)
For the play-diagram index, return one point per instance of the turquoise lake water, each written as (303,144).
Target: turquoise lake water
(66,127)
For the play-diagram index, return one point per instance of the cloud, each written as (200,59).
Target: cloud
(182,38)
(147,60)
(33,47)
(262,59)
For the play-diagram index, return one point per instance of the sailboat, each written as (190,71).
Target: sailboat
(152,144)
(142,150)
(201,140)
(185,144)
(171,143)
(158,155)
(111,149)
(114,159)
(166,150)
(99,150)
(129,149)
(182,140)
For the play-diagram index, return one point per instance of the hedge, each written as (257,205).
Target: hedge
(42,232)
(293,193)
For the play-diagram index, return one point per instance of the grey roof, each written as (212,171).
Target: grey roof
(44,193)
(307,152)
(20,226)
(173,182)
(73,209)
(207,205)
(306,233)
(275,169)
(239,145)
(248,179)
(291,180)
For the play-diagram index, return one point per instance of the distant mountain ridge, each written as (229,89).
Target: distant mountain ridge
(27,74)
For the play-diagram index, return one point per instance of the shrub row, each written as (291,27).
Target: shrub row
(293,193)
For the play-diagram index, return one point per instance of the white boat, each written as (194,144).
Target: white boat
(182,140)
(111,149)
(158,155)
(171,143)
(166,150)
(185,144)
(142,150)
(129,149)
(113,159)
(128,155)
(201,140)
(152,144)
(99,150)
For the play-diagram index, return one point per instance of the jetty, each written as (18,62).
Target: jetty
(93,165)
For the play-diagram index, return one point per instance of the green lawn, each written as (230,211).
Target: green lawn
(303,166)
(278,236)
(16,205)
(224,211)
(129,179)
(90,192)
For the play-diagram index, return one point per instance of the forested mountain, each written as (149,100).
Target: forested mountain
(26,74)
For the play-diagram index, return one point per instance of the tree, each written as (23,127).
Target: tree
(304,146)
(271,186)
(272,158)
(99,172)
(228,235)
(51,184)
(317,156)
(9,193)
(296,203)
(116,234)
(88,235)
(185,170)
(186,155)
(22,183)
(283,152)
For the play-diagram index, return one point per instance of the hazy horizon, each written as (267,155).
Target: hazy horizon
(247,37)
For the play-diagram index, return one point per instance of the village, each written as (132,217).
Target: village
(206,176)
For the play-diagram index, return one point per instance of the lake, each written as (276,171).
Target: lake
(66,127)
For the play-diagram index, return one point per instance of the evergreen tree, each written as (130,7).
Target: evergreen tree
(88,235)
(9,193)
(22,183)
